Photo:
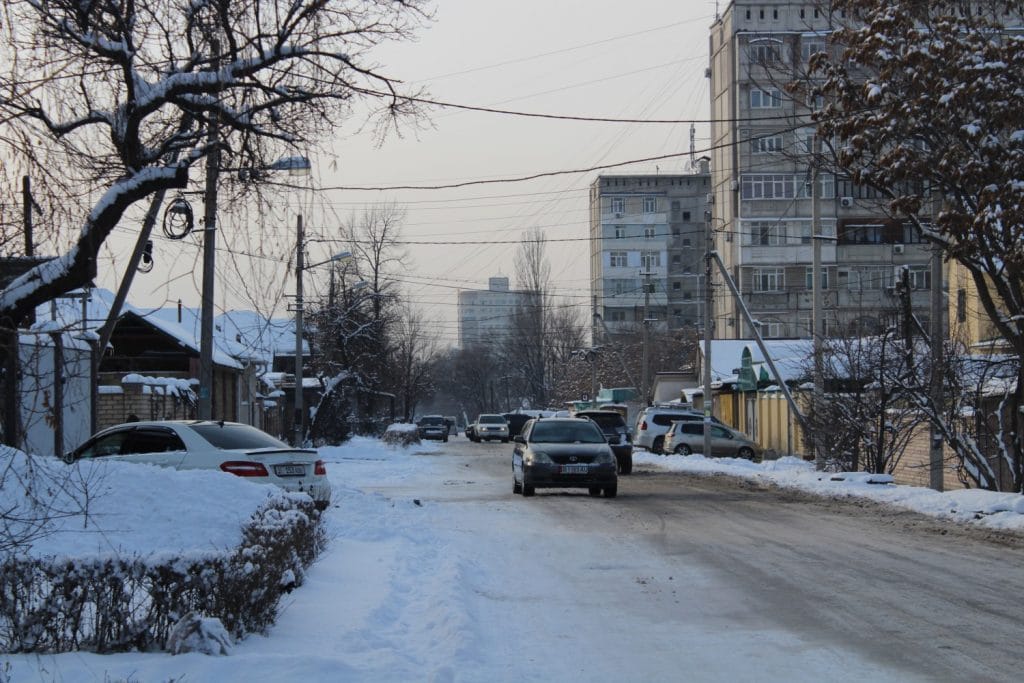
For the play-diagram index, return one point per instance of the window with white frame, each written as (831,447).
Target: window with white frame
(650,259)
(809,278)
(771,186)
(620,232)
(769,279)
(875,277)
(771,329)
(649,232)
(617,316)
(920,277)
(621,286)
(768,98)
(766,144)
(618,204)
(617,259)
(767,233)
(809,47)
(650,204)
(765,52)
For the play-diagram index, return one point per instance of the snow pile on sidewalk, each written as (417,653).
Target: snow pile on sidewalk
(992,509)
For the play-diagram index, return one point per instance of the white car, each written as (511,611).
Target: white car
(231,447)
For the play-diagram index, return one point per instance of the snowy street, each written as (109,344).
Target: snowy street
(680,578)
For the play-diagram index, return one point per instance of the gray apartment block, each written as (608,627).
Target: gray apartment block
(648,229)
(487,315)
(761,208)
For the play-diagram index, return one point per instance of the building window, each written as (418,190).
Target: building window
(676,286)
(622,286)
(649,233)
(650,204)
(766,144)
(769,280)
(617,259)
(809,48)
(961,305)
(686,215)
(809,278)
(620,232)
(686,241)
(764,52)
(650,259)
(853,233)
(767,233)
(771,330)
(920,277)
(617,316)
(771,186)
(676,231)
(687,295)
(769,98)
(675,205)
(677,259)
(618,205)
(875,278)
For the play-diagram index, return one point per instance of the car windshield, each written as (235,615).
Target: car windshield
(432,421)
(236,436)
(566,432)
(492,419)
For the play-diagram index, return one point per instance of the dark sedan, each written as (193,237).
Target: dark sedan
(563,453)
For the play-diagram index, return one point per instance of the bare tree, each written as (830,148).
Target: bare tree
(122,98)
(526,343)
(413,360)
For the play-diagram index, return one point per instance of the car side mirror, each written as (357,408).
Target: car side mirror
(518,439)
(69,458)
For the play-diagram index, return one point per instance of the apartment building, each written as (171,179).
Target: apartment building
(647,232)
(487,314)
(761,209)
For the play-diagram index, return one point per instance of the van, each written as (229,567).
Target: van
(654,421)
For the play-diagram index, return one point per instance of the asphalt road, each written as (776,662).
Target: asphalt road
(937,600)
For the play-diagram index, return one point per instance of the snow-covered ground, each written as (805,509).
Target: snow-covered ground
(471,587)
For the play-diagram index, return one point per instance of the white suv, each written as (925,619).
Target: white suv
(653,423)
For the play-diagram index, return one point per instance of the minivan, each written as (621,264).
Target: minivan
(654,421)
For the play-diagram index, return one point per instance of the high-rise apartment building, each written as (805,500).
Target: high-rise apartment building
(761,210)
(488,314)
(647,231)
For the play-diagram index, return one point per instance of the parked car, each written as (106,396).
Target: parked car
(563,453)
(516,422)
(239,449)
(688,437)
(616,432)
(654,421)
(433,427)
(489,426)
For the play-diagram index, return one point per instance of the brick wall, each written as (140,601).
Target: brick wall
(145,402)
(914,469)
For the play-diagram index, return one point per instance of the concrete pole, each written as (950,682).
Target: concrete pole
(209,253)
(645,360)
(817,323)
(709,397)
(300,409)
(935,455)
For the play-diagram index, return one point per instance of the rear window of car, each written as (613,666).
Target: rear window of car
(432,421)
(230,437)
(566,432)
(692,428)
(606,421)
(492,419)
(666,419)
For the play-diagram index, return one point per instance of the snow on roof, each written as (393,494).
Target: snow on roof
(790,356)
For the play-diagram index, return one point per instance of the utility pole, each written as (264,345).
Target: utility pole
(817,324)
(935,454)
(209,251)
(709,397)
(26,208)
(300,410)
(645,355)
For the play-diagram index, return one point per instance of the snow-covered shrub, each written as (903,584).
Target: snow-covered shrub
(401,434)
(196,633)
(110,604)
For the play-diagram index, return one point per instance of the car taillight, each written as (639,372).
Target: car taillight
(643,425)
(244,468)
(320,469)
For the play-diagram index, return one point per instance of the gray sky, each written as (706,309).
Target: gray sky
(644,59)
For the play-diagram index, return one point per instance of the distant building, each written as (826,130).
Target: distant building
(486,314)
(648,229)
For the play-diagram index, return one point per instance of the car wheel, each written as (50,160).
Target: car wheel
(658,444)
(746,453)
(516,486)
(683,449)
(611,491)
(594,491)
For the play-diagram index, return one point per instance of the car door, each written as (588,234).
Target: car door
(517,452)
(722,441)
(154,445)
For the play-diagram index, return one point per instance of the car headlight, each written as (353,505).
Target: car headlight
(536,458)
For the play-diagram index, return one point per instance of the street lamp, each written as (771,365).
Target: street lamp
(300,410)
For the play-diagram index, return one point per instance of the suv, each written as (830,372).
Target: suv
(615,430)
(654,421)
(685,438)
(489,426)
(433,427)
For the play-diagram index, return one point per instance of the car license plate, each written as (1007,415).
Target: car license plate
(575,469)
(289,470)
